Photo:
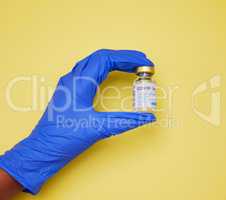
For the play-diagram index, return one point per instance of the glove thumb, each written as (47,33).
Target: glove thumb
(119,122)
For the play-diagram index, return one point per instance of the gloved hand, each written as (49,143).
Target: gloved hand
(70,124)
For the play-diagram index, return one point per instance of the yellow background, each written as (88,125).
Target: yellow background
(185,39)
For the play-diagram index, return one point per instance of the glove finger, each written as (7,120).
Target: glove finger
(119,122)
(89,73)
(101,62)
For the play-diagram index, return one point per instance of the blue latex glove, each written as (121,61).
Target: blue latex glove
(52,144)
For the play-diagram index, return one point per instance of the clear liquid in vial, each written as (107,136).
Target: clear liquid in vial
(144,93)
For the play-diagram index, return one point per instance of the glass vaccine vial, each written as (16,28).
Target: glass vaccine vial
(144,90)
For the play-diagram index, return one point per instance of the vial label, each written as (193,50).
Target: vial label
(144,96)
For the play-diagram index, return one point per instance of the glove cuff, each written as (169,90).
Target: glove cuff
(10,164)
